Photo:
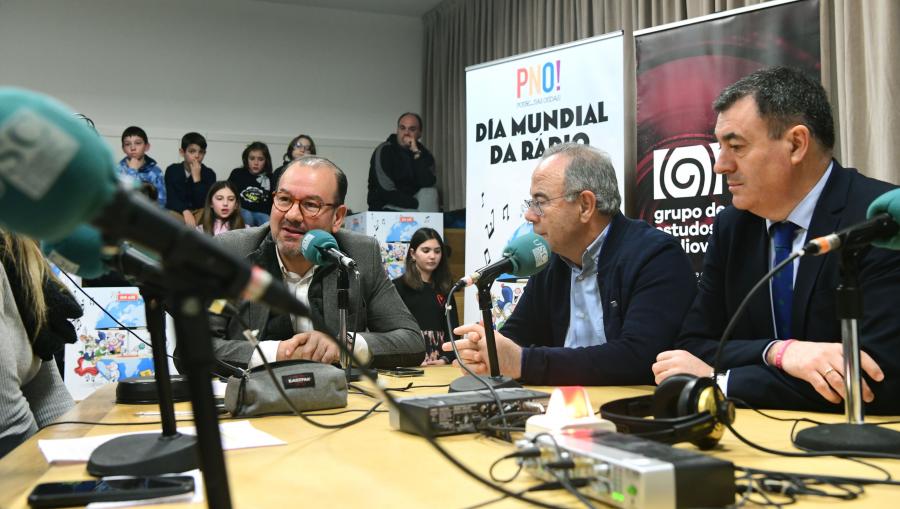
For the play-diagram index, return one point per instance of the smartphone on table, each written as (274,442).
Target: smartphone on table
(402,372)
(109,489)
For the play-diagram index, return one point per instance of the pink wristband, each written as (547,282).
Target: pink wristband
(780,355)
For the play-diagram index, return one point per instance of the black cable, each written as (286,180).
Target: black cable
(566,483)
(726,334)
(504,458)
(520,416)
(753,487)
(299,413)
(823,477)
(125,327)
(92,423)
(462,364)
(796,421)
(424,432)
(811,454)
(359,390)
(107,313)
(411,386)
(791,485)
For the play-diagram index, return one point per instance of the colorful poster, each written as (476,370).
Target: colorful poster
(504,297)
(518,107)
(681,68)
(106,351)
(393,231)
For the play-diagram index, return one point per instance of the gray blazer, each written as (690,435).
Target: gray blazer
(391,332)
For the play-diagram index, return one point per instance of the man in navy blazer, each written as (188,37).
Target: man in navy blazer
(612,297)
(776,134)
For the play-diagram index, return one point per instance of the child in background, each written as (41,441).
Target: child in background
(188,182)
(253,183)
(423,288)
(222,211)
(300,146)
(138,165)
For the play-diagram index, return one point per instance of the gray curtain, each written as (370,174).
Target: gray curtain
(860,49)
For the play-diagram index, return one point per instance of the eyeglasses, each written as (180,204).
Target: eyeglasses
(308,207)
(306,148)
(536,205)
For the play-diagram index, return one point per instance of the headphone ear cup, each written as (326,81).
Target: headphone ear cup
(667,394)
(689,403)
(690,395)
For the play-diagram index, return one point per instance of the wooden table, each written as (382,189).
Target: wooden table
(371,465)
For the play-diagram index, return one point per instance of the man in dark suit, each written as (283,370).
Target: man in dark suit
(612,297)
(776,134)
(310,196)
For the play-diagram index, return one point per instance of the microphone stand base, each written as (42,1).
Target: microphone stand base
(145,454)
(479,383)
(849,437)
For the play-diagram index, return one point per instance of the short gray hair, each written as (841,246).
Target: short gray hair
(589,169)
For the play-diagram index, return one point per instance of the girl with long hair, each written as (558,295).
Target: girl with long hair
(423,288)
(253,182)
(222,210)
(301,145)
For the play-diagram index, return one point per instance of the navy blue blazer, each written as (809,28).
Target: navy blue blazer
(738,256)
(646,286)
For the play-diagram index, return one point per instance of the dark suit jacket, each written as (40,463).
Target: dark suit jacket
(391,332)
(738,256)
(646,285)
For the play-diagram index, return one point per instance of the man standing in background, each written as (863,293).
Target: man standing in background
(401,171)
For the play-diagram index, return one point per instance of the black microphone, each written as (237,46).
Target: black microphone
(136,265)
(59,174)
(85,253)
(321,248)
(879,227)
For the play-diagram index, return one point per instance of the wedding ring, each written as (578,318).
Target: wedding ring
(827,371)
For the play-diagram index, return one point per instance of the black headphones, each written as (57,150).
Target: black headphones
(685,408)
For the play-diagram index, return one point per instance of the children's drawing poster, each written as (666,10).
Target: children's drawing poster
(106,351)
(504,297)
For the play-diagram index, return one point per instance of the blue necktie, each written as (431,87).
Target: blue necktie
(783,281)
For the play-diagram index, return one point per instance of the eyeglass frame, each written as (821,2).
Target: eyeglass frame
(299,203)
(306,148)
(534,205)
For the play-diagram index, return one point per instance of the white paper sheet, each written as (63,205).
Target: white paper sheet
(235,435)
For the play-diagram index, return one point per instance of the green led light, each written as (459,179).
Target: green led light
(632,490)
(618,496)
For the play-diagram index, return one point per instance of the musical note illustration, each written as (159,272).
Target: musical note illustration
(482,200)
(489,228)
(487,256)
(506,212)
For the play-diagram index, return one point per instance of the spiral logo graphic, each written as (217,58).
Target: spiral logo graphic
(686,172)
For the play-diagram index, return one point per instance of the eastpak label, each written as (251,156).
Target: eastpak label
(298,380)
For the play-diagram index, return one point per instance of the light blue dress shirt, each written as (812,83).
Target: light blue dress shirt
(585,304)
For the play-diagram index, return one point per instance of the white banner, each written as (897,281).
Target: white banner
(518,107)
